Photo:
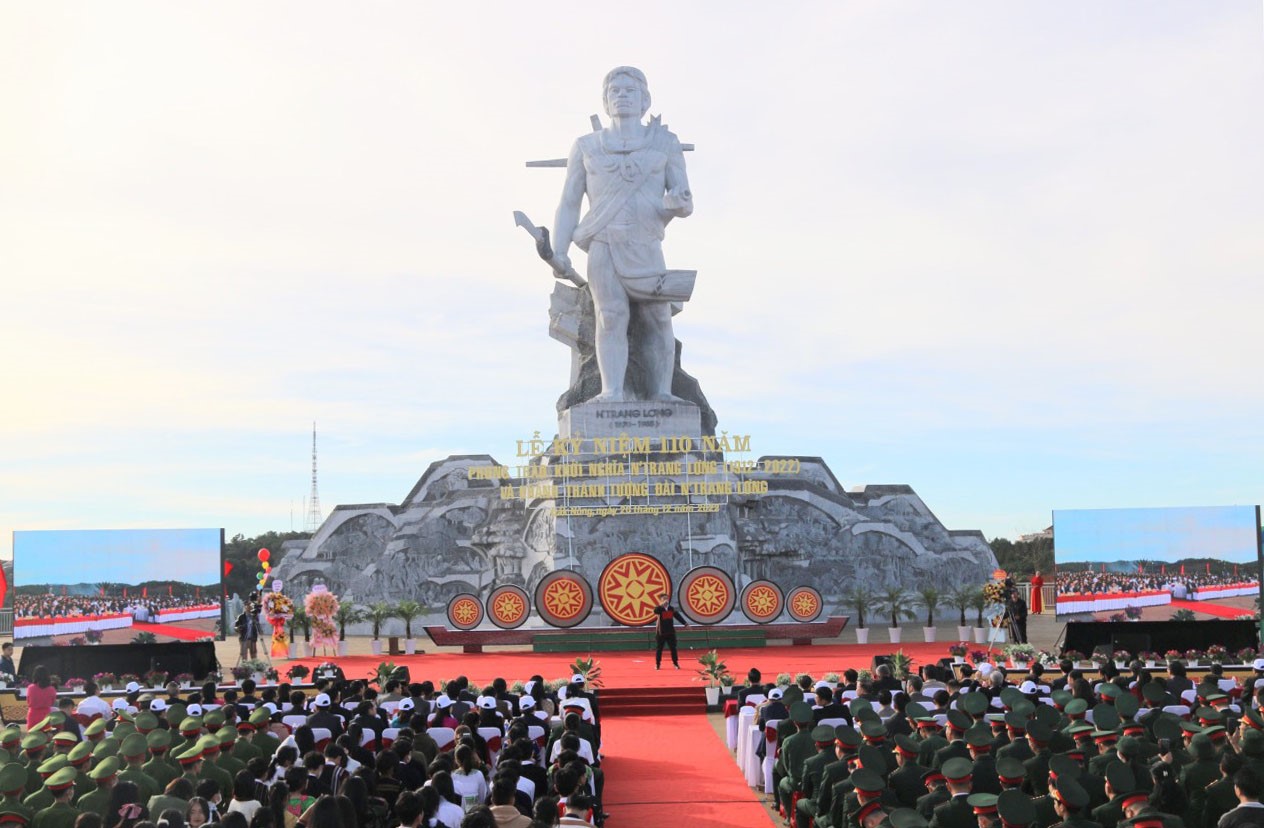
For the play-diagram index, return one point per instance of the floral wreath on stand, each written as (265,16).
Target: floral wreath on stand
(321,606)
(278,609)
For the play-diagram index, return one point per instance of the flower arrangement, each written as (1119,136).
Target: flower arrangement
(994,592)
(78,641)
(128,678)
(1248,655)
(727,680)
(1073,655)
(94,636)
(833,677)
(272,675)
(1021,653)
(783,679)
(155,678)
(183,678)
(1149,656)
(1133,613)
(1193,655)
(105,679)
(240,672)
(518,688)
(277,605)
(76,684)
(1099,658)
(1121,655)
(1174,655)
(299,672)
(979,656)
(1046,658)
(959,649)
(1217,654)
(1118,618)
(320,603)
(864,675)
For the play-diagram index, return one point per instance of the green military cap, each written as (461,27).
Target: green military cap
(1061,697)
(108,768)
(56,718)
(1128,747)
(65,737)
(820,733)
(1075,707)
(916,710)
(1015,808)
(14,814)
(1015,720)
(957,769)
(1190,727)
(260,716)
(982,803)
(1047,716)
(1208,715)
(1039,731)
(858,705)
(158,739)
(907,818)
(175,713)
(1127,706)
(1213,730)
(973,703)
(43,724)
(1072,793)
(53,764)
(1009,696)
(104,748)
(1010,769)
(907,744)
(214,720)
(80,753)
(1062,765)
(1121,778)
(960,720)
(12,779)
(979,736)
(1076,728)
(134,745)
(1254,718)
(228,735)
(867,714)
(873,730)
(995,719)
(61,780)
(209,744)
(1106,717)
(123,729)
(800,712)
(145,721)
(1152,692)
(1167,726)
(1025,708)
(96,728)
(190,724)
(11,737)
(189,755)
(847,736)
(1108,690)
(34,741)
(872,757)
(867,780)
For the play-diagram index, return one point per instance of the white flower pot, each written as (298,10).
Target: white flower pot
(376,645)
(980,635)
(929,634)
(293,650)
(862,635)
(410,646)
(894,633)
(963,633)
(1120,663)
(1193,662)
(713,696)
(342,648)
(258,677)
(1150,663)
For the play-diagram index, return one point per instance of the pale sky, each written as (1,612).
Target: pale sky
(1007,253)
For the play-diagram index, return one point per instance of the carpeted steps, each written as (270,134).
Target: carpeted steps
(652,701)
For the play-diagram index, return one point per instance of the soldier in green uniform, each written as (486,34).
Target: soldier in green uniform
(1017,749)
(1015,809)
(958,723)
(796,749)
(244,749)
(190,760)
(42,796)
(12,783)
(936,794)
(1220,797)
(225,760)
(1139,814)
(906,780)
(813,773)
(268,743)
(1119,781)
(33,745)
(1197,775)
(984,779)
(60,814)
(209,746)
(1010,773)
(956,812)
(1037,767)
(190,733)
(930,740)
(846,743)
(79,757)
(132,751)
(159,768)
(984,805)
(1070,801)
(104,775)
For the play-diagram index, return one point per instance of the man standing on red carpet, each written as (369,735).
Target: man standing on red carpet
(665,631)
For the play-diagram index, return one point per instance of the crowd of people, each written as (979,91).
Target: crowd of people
(995,750)
(51,605)
(343,756)
(1094,582)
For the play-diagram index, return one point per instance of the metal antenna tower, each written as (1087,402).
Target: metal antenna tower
(313,501)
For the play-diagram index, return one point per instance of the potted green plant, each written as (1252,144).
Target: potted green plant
(726,684)
(929,598)
(384,673)
(298,672)
(859,599)
(959,598)
(378,614)
(348,613)
(590,669)
(298,620)
(712,671)
(901,665)
(894,602)
(407,611)
(979,603)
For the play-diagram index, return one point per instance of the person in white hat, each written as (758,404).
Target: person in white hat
(323,715)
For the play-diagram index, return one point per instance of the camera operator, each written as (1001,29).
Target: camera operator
(1016,609)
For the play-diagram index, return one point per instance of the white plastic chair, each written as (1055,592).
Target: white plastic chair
(834,721)
(389,735)
(445,737)
(494,737)
(537,734)
(770,752)
(322,735)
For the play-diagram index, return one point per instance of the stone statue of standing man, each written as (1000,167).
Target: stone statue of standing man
(634,176)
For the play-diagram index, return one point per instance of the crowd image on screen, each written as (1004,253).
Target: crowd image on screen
(61,606)
(1093,582)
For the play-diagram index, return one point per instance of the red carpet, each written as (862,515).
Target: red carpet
(1209,608)
(673,771)
(172,631)
(636,669)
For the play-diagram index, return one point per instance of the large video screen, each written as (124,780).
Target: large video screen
(1117,564)
(115,585)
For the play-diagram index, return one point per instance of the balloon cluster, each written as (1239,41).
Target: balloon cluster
(265,567)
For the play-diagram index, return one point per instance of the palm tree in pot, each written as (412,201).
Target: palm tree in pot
(979,603)
(894,601)
(378,614)
(960,598)
(348,613)
(407,611)
(929,598)
(860,599)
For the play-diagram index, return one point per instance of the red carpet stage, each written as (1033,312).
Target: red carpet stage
(635,669)
(1208,608)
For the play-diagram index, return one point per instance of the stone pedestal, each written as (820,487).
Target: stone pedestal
(634,418)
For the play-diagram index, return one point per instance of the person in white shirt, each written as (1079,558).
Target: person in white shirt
(93,705)
(467,778)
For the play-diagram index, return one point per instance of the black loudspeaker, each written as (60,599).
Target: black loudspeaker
(401,674)
(880,659)
(329,672)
